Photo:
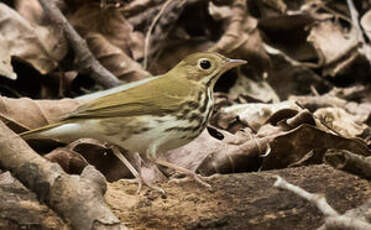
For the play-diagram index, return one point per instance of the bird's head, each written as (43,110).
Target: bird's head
(205,67)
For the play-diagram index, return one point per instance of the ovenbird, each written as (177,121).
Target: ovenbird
(156,116)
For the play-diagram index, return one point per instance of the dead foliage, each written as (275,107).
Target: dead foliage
(303,99)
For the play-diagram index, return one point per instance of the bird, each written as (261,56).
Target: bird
(151,118)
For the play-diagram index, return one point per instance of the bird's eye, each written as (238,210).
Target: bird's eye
(204,64)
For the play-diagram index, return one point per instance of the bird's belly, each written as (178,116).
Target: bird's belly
(161,133)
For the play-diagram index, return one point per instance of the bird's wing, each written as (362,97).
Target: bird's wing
(153,98)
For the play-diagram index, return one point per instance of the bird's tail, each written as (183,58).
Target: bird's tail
(38,132)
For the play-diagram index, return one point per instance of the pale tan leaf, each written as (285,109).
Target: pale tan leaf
(51,37)
(331,41)
(114,59)
(6,68)
(336,48)
(24,41)
(366,23)
(25,114)
(112,40)
(341,121)
(91,18)
(253,114)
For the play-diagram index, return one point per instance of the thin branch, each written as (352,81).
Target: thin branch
(86,62)
(333,219)
(317,199)
(149,32)
(350,162)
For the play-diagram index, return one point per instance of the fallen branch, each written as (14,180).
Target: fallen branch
(86,62)
(20,208)
(79,199)
(348,161)
(333,220)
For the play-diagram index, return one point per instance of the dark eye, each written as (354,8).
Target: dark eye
(205,64)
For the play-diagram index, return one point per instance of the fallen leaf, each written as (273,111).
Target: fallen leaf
(253,115)
(26,42)
(112,39)
(253,91)
(70,161)
(26,114)
(341,121)
(289,76)
(336,48)
(6,68)
(290,147)
(366,23)
(114,59)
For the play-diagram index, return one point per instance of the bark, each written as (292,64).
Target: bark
(78,199)
(20,208)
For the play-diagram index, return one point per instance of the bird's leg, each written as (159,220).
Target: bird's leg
(135,173)
(183,170)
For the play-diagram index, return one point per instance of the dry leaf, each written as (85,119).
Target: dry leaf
(114,59)
(341,121)
(253,115)
(366,23)
(6,68)
(70,161)
(52,37)
(25,114)
(289,76)
(290,147)
(75,156)
(253,91)
(241,38)
(26,42)
(335,48)
(112,39)
(210,155)
(288,34)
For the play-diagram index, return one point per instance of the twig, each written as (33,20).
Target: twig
(79,199)
(317,199)
(333,220)
(139,6)
(149,32)
(86,62)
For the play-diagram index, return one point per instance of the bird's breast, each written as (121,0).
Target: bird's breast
(171,130)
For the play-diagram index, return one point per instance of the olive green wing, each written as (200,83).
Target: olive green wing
(148,98)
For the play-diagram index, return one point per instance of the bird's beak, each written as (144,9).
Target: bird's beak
(231,63)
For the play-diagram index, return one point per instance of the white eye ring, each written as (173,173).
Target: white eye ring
(204,64)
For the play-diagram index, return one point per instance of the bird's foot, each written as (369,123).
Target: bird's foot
(138,175)
(142,182)
(195,177)
(185,171)
(200,181)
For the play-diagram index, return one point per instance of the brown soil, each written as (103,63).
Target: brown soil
(237,201)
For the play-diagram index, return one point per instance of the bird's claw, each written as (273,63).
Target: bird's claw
(195,177)
(200,181)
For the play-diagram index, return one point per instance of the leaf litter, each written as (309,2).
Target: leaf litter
(305,91)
